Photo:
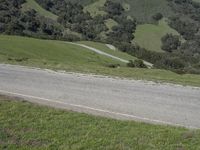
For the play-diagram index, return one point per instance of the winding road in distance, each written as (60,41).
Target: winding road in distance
(98,95)
(149,65)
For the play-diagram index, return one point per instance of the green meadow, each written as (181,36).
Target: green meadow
(149,35)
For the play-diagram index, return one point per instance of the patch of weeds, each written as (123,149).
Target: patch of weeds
(188,135)
(22,59)
(113,65)
(136,64)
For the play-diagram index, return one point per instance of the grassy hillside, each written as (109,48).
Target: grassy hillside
(95,8)
(26,126)
(32,4)
(60,55)
(110,23)
(149,35)
(143,10)
(106,49)
(46,53)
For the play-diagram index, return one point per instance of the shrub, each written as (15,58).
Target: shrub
(157,16)
(170,42)
(113,65)
(138,63)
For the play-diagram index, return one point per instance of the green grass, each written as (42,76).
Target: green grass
(196,0)
(106,49)
(149,35)
(50,54)
(28,126)
(32,4)
(95,8)
(143,10)
(59,55)
(83,2)
(110,23)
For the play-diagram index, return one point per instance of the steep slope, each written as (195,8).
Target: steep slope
(53,54)
(32,4)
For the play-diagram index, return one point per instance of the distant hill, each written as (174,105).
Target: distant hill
(32,4)
(142,10)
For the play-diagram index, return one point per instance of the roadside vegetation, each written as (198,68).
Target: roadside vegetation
(59,55)
(50,54)
(115,27)
(27,126)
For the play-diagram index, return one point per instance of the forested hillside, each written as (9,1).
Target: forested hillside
(116,26)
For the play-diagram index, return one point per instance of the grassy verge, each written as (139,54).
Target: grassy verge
(58,55)
(28,126)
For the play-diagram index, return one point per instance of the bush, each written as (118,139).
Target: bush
(113,65)
(157,16)
(113,8)
(170,42)
(138,63)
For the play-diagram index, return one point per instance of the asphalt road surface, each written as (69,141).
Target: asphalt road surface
(110,97)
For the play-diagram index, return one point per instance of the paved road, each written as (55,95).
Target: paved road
(118,98)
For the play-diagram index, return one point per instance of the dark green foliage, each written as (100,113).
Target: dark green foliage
(123,32)
(113,8)
(9,14)
(171,63)
(170,42)
(113,65)
(71,15)
(186,28)
(29,23)
(138,63)
(157,16)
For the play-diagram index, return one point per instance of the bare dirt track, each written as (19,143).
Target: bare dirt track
(98,95)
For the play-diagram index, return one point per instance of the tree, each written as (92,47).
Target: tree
(138,63)
(113,8)
(157,16)
(170,42)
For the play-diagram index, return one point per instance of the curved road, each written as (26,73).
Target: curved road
(150,65)
(117,98)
